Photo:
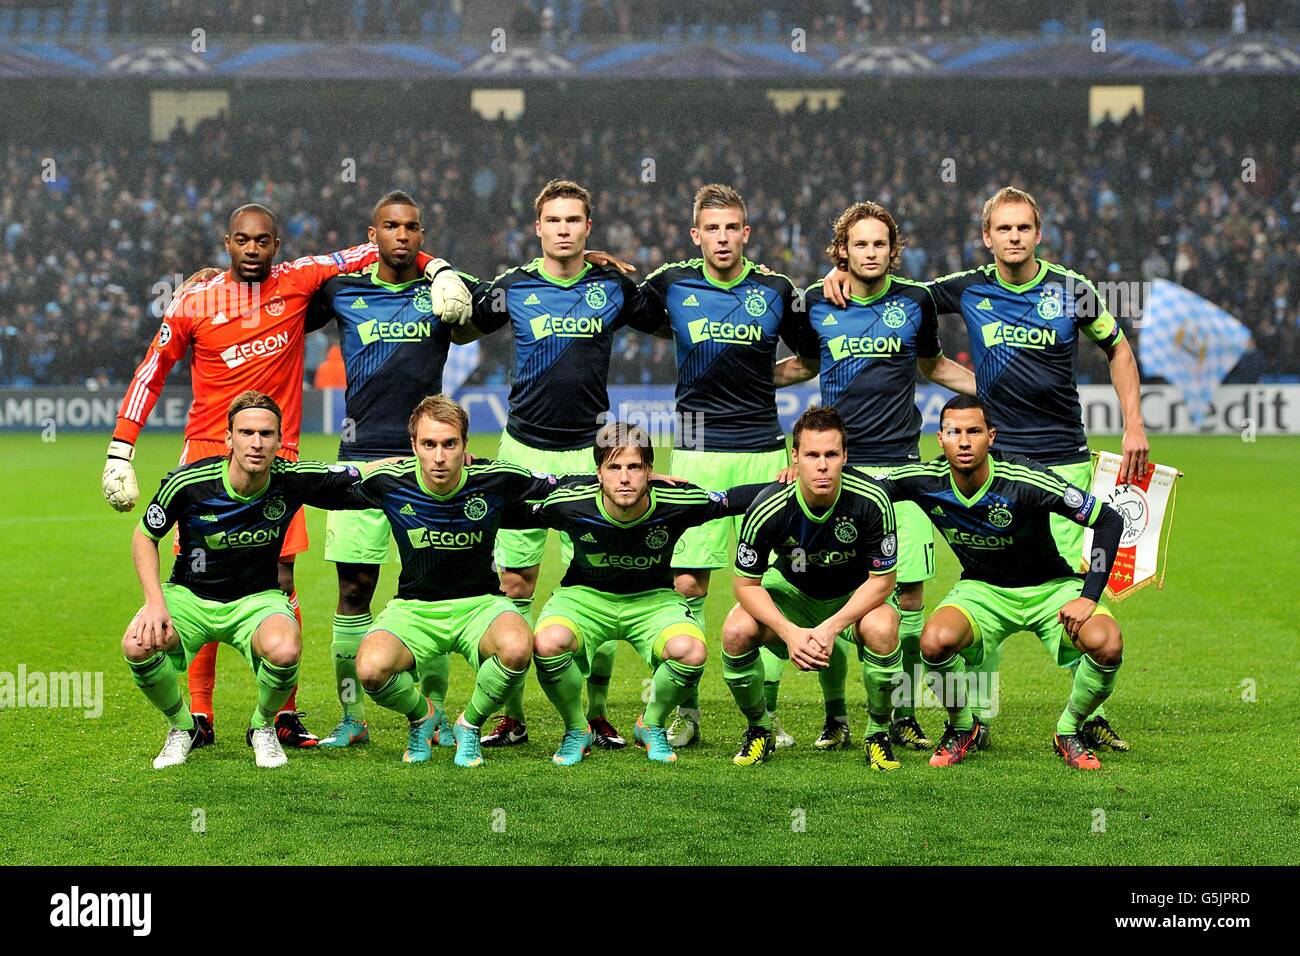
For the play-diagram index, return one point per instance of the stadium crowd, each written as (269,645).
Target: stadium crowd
(87,246)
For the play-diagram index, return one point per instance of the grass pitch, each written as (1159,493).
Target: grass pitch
(1208,697)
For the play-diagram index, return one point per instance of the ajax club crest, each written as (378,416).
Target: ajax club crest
(475,509)
(845,532)
(1049,303)
(894,315)
(595,296)
(755,304)
(999,516)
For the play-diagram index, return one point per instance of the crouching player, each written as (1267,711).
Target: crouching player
(445,515)
(233,513)
(624,524)
(995,513)
(834,537)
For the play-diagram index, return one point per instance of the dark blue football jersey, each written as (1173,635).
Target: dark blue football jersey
(726,336)
(1024,342)
(868,366)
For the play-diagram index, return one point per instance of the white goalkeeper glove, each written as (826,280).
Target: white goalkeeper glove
(451,300)
(120,487)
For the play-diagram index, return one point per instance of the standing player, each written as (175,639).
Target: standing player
(394,350)
(870,352)
(836,545)
(995,513)
(445,515)
(233,513)
(618,586)
(725,316)
(563,312)
(1023,317)
(246,328)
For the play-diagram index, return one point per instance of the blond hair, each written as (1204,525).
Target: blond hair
(440,408)
(1005,196)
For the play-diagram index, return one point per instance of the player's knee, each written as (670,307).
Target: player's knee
(878,631)
(372,669)
(687,650)
(691,585)
(1104,643)
(911,597)
(282,647)
(739,633)
(355,593)
(515,646)
(553,641)
(519,584)
(135,652)
(937,644)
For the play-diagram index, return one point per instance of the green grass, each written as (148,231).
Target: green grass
(1211,778)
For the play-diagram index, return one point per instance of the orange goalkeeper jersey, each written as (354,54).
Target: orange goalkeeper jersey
(243,336)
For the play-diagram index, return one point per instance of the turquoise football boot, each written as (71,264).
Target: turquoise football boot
(574,745)
(654,740)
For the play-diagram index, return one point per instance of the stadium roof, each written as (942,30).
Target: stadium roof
(1028,56)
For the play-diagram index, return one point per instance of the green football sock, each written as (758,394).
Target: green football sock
(832,681)
(274,685)
(349,629)
(399,693)
(880,676)
(434,681)
(1092,685)
(493,684)
(773,671)
(950,688)
(910,625)
(672,681)
(602,665)
(744,675)
(156,677)
(562,682)
(692,699)
(513,705)
(980,688)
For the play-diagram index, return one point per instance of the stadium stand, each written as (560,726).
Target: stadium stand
(80,256)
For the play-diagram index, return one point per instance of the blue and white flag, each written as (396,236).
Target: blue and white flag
(1190,342)
(461,362)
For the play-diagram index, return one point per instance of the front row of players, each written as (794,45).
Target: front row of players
(814,564)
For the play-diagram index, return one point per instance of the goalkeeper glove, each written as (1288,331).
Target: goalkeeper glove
(120,487)
(451,300)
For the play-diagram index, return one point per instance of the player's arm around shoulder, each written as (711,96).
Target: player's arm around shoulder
(326,486)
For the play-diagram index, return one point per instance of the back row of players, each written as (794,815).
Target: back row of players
(726,315)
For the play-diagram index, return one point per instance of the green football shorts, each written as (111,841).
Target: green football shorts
(646,620)
(516,549)
(357,537)
(1068,535)
(200,621)
(915,536)
(711,545)
(996,613)
(804,611)
(430,629)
